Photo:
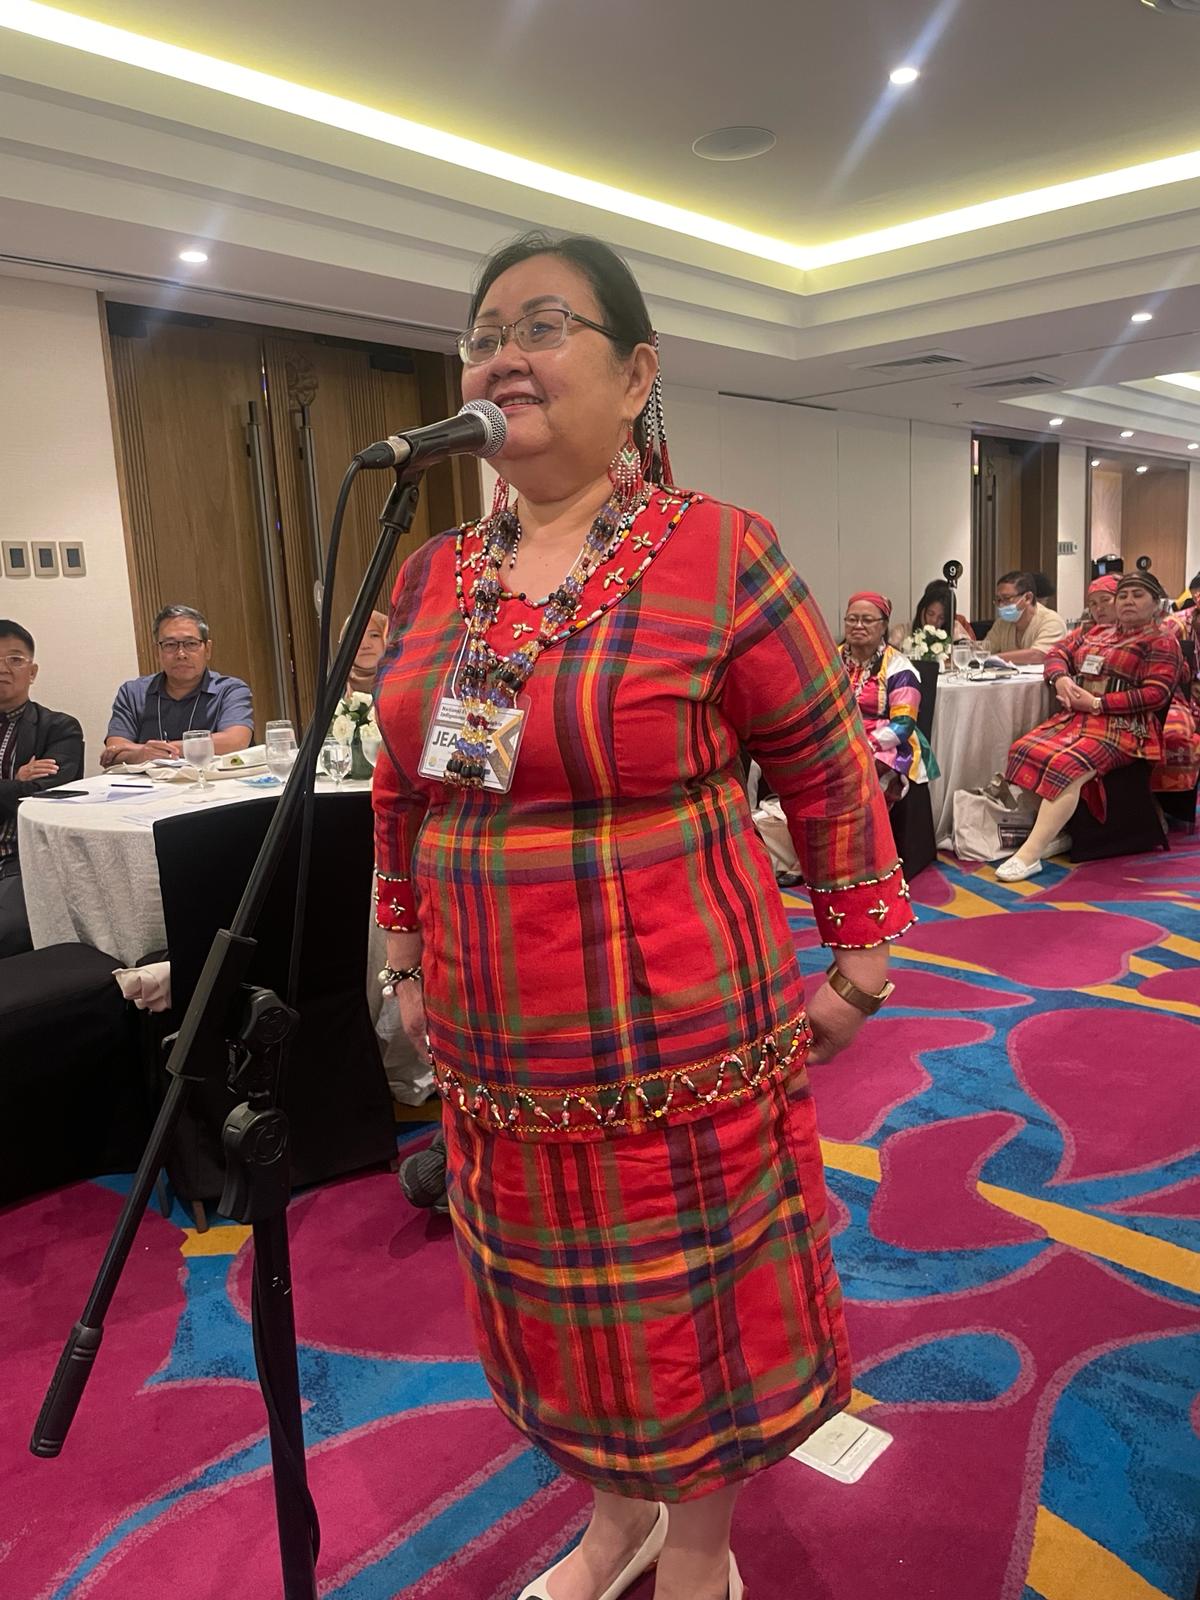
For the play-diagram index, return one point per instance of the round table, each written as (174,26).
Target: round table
(91,877)
(974,723)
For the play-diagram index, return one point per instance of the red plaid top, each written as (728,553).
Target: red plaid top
(605,943)
(1138,671)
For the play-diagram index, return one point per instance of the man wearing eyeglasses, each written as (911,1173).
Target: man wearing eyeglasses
(38,750)
(151,715)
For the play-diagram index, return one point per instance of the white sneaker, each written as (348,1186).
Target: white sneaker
(1014,871)
(640,1561)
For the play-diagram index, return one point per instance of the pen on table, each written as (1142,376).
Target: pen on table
(119,783)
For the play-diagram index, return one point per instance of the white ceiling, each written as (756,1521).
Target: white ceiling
(106,171)
(1014,94)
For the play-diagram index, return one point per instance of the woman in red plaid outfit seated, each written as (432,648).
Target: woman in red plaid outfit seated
(584,922)
(1114,684)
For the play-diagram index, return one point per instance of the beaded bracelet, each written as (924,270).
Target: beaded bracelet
(391,976)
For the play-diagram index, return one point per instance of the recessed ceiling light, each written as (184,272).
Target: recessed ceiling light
(194,258)
(58,26)
(1143,469)
(734,144)
(1127,433)
(1056,422)
(1142,316)
(903,76)
(1194,447)
(1095,461)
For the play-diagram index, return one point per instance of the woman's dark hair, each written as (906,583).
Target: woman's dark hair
(937,590)
(622,308)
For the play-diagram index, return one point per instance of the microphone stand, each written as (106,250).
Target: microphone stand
(239,1033)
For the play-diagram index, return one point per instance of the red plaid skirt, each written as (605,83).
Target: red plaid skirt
(1072,745)
(660,1312)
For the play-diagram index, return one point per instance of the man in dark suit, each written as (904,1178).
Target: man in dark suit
(38,750)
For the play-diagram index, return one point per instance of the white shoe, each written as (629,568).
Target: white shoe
(640,1561)
(1014,871)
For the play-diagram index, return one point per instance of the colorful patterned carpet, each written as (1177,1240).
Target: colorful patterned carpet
(1014,1156)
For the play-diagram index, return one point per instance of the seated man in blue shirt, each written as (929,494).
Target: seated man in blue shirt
(151,715)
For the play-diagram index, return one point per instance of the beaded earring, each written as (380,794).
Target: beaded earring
(625,471)
(500,499)
(656,462)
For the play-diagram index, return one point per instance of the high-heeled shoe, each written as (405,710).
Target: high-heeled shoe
(642,1559)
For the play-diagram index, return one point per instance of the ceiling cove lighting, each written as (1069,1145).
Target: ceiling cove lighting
(39,21)
(1142,316)
(1127,433)
(903,76)
(1056,422)
(1182,380)
(194,258)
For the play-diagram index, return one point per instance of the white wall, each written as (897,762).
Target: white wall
(58,481)
(1072,522)
(858,501)
(1192,564)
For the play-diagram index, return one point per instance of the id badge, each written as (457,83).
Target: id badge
(1093,666)
(508,724)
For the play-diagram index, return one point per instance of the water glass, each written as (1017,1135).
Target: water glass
(370,743)
(198,752)
(337,759)
(281,749)
(960,654)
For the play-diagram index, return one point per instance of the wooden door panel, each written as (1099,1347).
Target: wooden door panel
(182,397)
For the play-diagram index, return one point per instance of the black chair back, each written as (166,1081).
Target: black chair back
(336,1094)
(929,672)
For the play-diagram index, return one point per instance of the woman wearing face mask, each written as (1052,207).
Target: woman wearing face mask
(1114,688)
(584,922)
(887,691)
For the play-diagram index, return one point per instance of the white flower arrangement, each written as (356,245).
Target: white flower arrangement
(355,713)
(927,643)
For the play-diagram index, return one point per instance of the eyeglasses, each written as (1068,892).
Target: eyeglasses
(539,330)
(15,662)
(180,647)
(860,622)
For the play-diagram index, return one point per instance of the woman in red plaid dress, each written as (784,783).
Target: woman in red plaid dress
(584,922)
(1114,685)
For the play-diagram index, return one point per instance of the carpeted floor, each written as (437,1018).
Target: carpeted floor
(1014,1157)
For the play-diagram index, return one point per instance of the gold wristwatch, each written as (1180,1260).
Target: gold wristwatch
(862,999)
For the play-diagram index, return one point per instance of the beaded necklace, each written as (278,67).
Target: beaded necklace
(490,682)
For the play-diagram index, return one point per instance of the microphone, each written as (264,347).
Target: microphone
(477,430)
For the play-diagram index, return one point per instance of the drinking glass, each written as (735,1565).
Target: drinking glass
(337,759)
(370,743)
(198,752)
(281,750)
(960,654)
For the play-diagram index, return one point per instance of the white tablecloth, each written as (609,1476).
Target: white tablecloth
(973,726)
(91,877)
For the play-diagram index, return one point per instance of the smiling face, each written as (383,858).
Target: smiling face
(567,408)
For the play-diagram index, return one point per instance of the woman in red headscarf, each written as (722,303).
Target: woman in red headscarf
(888,692)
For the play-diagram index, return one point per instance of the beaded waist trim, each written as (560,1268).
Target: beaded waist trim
(635,1102)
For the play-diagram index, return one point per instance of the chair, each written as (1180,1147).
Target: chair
(335,1093)
(72,1100)
(912,816)
(1133,823)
